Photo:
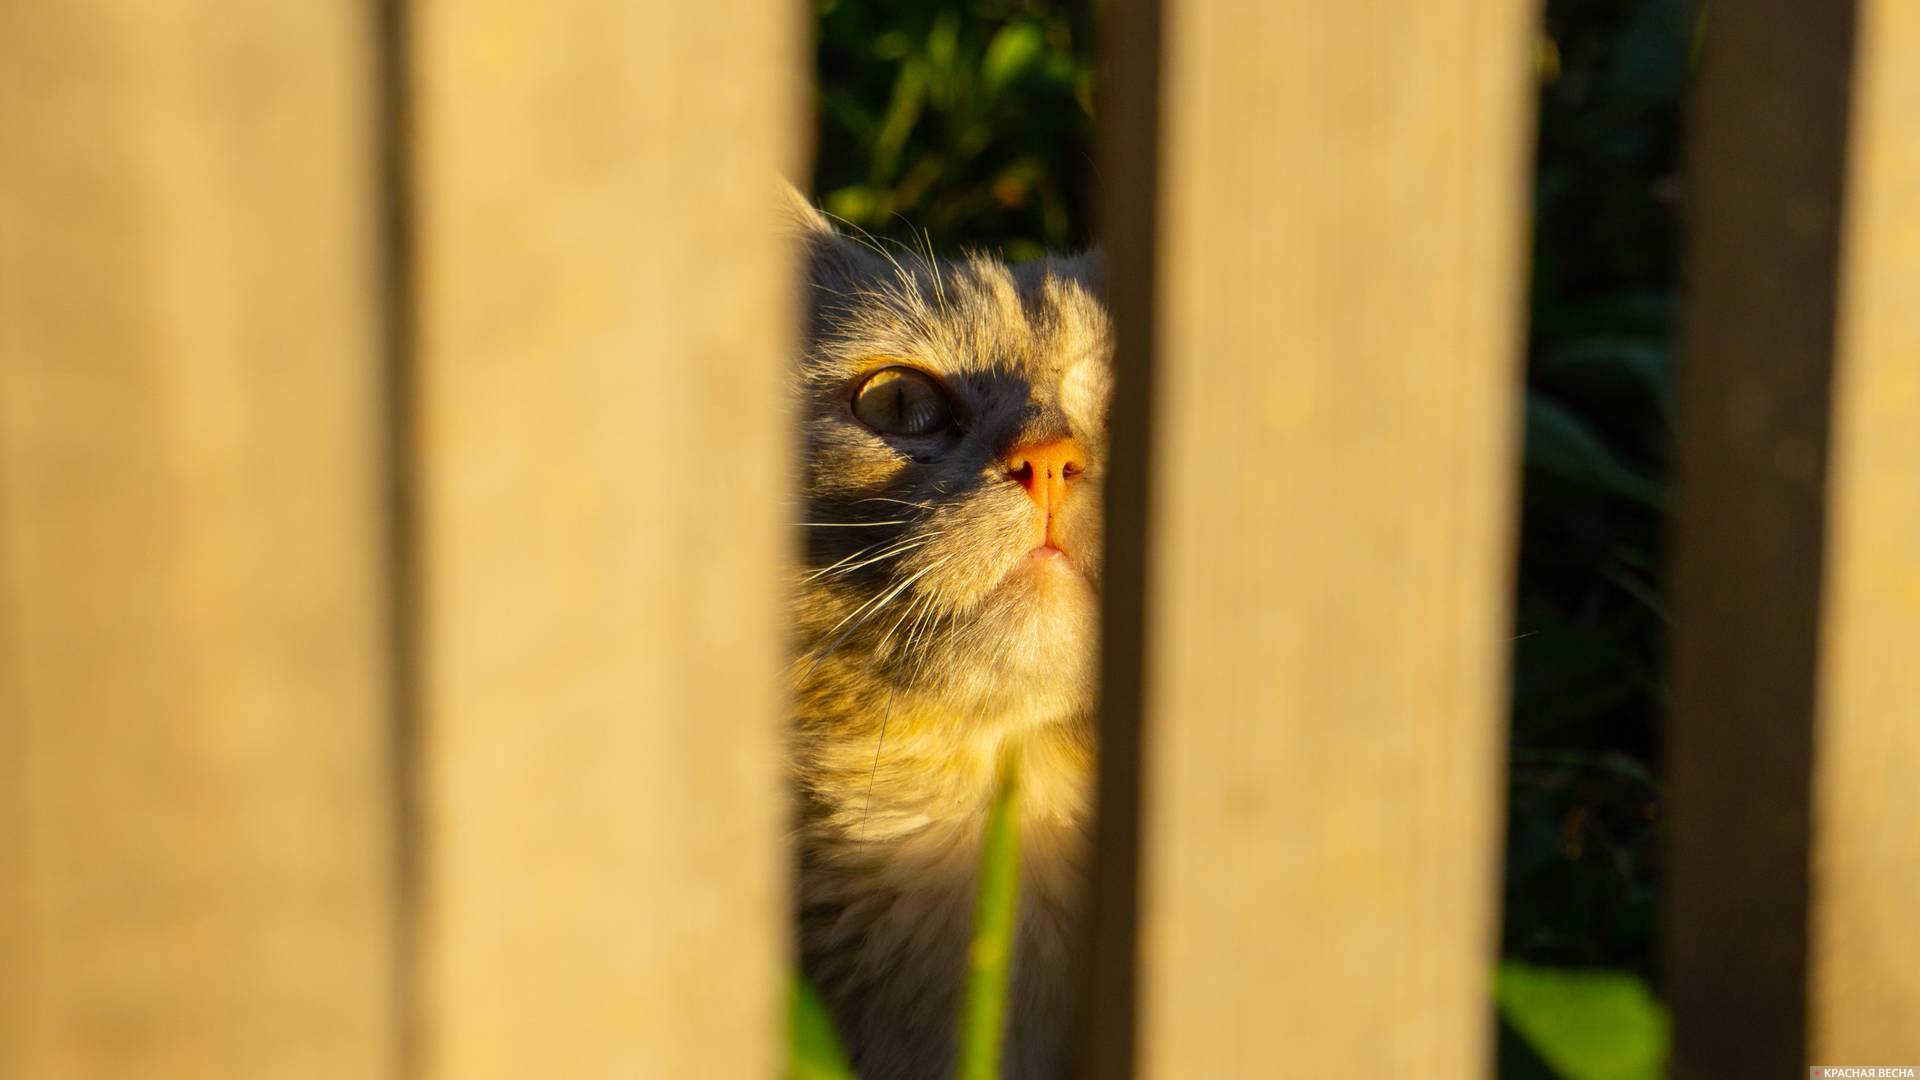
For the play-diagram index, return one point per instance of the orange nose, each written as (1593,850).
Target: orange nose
(1044,469)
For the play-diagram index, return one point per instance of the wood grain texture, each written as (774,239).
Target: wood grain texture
(194,785)
(602,324)
(1329,543)
(1766,164)
(1865,937)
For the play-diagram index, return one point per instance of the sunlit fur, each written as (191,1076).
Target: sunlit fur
(926,640)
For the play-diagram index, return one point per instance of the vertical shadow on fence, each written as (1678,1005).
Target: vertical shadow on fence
(394,129)
(1129,159)
(1766,168)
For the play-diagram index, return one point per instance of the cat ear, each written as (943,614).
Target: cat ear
(835,264)
(800,213)
(1090,266)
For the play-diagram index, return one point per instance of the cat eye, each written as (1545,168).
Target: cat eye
(902,401)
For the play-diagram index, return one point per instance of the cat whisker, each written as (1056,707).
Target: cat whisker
(872,243)
(880,600)
(857,234)
(843,560)
(877,604)
(898,549)
(885,718)
(881,649)
(939,287)
(924,624)
(851,524)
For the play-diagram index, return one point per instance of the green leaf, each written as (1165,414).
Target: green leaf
(1561,444)
(1024,250)
(858,204)
(1588,1025)
(1599,362)
(892,45)
(1012,53)
(813,1051)
(903,112)
(983,1019)
(943,41)
(851,114)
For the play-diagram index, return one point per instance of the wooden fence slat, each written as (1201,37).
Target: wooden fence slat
(194,772)
(600,438)
(1334,394)
(1865,937)
(1768,137)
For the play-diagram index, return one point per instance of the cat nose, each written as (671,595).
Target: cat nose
(1044,469)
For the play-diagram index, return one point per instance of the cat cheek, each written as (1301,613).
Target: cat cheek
(1081,520)
(1084,392)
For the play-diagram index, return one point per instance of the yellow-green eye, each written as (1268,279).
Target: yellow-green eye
(902,401)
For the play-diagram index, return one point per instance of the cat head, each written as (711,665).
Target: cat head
(953,428)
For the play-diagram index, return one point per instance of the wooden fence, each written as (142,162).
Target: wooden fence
(391,507)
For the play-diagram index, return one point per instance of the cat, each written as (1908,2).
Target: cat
(952,428)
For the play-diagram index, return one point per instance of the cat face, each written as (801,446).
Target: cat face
(953,420)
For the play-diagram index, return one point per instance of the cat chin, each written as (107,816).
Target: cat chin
(1006,705)
(1033,641)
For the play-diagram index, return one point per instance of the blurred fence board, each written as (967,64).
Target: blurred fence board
(1328,535)
(601,324)
(195,837)
(1865,937)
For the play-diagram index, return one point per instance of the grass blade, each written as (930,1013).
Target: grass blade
(1588,1025)
(983,1020)
(813,1051)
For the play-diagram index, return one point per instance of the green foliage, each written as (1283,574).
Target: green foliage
(972,122)
(1585,797)
(1589,690)
(983,1021)
(1562,445)
(1586,1025)
(813,1050)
